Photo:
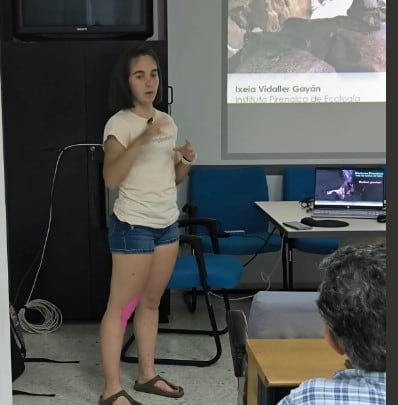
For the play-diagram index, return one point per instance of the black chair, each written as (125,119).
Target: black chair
(202,272)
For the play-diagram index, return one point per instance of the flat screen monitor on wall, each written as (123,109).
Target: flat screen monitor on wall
(83,18)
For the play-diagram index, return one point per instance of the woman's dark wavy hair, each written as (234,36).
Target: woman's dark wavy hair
(120,96)
(352,301)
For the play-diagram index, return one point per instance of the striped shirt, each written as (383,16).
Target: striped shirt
(347,387)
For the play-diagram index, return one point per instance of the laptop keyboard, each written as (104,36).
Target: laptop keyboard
(345,213)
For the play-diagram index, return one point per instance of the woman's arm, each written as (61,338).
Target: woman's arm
(184,157)
(117,161)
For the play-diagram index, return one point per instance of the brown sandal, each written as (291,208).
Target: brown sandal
(150,388)
(110,400)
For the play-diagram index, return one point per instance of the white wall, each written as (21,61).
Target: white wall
(194,72)
(5,369)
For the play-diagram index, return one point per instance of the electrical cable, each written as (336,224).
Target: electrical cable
(269,275)
(50,312)
(262,247)
(265,280)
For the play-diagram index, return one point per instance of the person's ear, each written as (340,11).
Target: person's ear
(332,340)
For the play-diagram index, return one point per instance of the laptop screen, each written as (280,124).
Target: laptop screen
(349,188)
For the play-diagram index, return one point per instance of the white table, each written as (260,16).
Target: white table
(286,211)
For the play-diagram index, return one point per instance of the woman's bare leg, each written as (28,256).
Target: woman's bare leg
(146,317)
(129,275)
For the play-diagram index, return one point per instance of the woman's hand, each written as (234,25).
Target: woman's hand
(187,151)
(153,129)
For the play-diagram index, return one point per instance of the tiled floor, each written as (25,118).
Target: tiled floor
(81,384)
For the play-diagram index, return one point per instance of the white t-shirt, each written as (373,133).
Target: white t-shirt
(148,194)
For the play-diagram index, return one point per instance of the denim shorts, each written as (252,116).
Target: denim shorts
(126,238)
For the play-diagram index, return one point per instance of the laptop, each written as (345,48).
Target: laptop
(348,192)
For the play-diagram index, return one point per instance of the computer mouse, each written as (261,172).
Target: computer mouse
(382,218)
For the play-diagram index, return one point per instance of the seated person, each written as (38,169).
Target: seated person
(352,304)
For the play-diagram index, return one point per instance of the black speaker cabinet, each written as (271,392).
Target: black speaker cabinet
(55,105)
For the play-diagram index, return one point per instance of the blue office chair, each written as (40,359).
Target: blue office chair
(228,195)
(203,272)
(298,185)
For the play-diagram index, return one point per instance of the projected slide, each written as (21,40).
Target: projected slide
(306,51)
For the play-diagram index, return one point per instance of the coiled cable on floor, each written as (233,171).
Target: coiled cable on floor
(52,317)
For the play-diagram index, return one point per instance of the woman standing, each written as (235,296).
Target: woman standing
(144,163)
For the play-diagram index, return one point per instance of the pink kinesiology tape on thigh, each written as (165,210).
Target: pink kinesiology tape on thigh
(128,310)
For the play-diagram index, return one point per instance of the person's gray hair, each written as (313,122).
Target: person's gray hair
(352,301)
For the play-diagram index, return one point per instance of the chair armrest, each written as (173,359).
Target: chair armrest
(190,209)
(195,242)
(209,223)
